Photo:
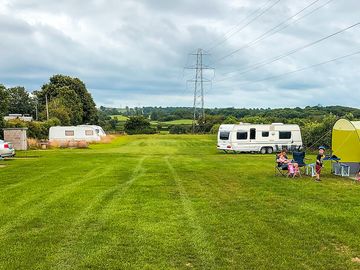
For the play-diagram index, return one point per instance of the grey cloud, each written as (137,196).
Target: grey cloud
(130,52)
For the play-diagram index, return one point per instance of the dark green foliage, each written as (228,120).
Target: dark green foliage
(20,101)
(2,125)
(72,96)
(231,120)
(4,101)
(138,125)
(180,129)
(36,129)
(4,106)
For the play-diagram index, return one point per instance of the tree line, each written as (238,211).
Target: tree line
(64,100)
(316,122)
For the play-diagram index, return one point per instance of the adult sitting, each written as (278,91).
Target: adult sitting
(282,160)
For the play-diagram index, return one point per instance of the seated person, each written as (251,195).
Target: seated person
(284,162)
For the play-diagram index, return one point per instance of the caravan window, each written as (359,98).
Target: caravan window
(241,135)
(265,133)
(285,135)
(69,133)
(224,135)
(89,132)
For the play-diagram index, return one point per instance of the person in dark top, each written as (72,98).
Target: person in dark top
(319,162)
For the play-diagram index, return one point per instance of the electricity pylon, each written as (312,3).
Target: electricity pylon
(199,80)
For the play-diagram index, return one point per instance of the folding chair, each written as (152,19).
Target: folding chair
(279,168)
(299,158)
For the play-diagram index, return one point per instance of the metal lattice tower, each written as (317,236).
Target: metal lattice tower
(198,80)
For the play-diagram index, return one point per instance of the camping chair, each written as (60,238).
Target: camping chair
(308,168)
(279,168)
(299,158)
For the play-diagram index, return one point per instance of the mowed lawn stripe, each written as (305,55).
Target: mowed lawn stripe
(66,255)
(247,217)
(54,213)
(201,241)
(146,227)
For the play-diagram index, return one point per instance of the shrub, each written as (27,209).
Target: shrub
(215,129)
(138,125)
(179,129)
(36,129)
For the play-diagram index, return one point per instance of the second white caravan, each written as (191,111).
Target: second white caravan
(258,137)
(74,133)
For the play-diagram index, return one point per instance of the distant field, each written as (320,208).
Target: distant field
(119,117)
(178,122)
(174,122)
(171,202)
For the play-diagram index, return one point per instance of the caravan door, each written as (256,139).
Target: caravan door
(224,140)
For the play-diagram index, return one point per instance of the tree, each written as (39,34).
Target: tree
(58,110)
(71,103)
(20,101)
(231,120)
(4,101)
(138,125)
(70,91)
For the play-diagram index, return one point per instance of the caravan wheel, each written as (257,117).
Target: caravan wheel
(270,150)
(263,150)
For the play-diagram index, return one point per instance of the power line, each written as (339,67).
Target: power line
(246,24)
(217,43)
(279,27)
(277,58)
(303,68)
(284,22)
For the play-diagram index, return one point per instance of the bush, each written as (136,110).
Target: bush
(215,129)
(179,129)
(138,125)
(36,130)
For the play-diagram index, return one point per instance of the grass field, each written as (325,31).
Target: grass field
(119,117)
(171,202)
(176,122)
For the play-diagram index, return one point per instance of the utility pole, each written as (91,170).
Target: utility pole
(199,80)
(47,107)
(36,109)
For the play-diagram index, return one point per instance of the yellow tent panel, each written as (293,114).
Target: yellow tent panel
(346,140)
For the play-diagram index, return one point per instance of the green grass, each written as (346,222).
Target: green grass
(178,122)
(171,202)
(121,118)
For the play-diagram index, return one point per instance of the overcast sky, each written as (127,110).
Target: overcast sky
(133,52)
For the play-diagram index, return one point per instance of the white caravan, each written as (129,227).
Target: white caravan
(74,133)
(98,129)
(259,138)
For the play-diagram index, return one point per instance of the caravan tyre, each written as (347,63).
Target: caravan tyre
(270,150)
(263,150)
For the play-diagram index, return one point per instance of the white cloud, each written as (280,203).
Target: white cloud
(135,50)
